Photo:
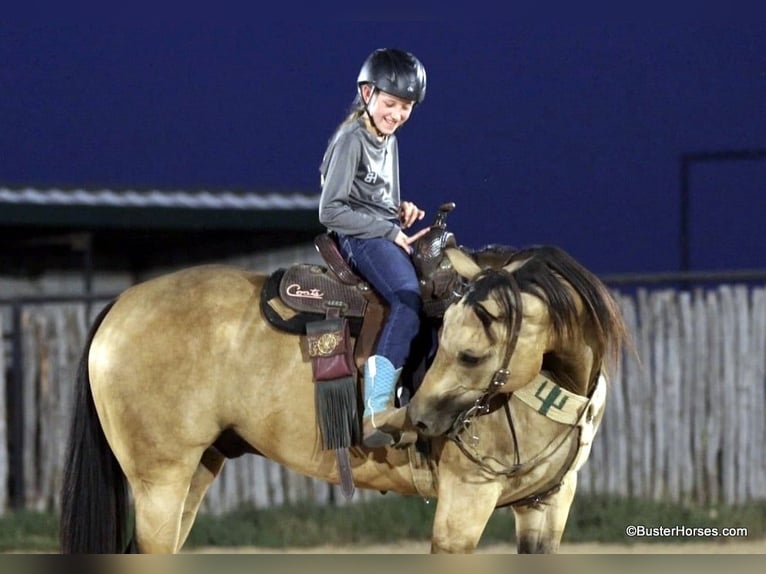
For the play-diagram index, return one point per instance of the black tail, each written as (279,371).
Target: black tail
(94,496)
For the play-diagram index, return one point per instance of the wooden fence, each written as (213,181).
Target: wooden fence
(686,422)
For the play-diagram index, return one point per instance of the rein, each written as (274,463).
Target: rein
(518,468)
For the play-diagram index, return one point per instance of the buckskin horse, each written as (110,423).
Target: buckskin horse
(183,371)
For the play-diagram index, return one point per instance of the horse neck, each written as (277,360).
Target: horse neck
(572,359)
(575,363)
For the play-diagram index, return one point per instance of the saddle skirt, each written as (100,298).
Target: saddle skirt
(312,288)
(306,292)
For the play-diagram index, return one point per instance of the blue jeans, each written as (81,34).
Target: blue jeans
(389,270)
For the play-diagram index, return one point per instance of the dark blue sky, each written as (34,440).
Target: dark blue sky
(549,133)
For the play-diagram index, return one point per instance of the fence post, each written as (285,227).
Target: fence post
(17,495)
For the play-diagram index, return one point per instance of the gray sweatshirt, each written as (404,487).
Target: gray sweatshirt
(360,184)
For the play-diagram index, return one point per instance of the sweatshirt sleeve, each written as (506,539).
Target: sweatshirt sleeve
(335,211)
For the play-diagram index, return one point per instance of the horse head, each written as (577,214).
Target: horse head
(540,310)
(490,342)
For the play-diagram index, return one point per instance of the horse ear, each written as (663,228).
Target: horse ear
(513,266)
(462,263)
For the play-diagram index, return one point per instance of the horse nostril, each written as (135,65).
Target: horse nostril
(421,426)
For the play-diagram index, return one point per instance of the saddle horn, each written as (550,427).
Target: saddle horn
(437,278)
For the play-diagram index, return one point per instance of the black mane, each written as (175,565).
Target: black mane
(554,276)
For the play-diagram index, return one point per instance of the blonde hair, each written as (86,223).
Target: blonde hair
(356,111)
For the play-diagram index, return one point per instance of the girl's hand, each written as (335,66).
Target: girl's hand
(409,213)
(405,242)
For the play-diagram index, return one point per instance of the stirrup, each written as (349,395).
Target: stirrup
(400,438)
(384,428)
(407,438)
(376,438)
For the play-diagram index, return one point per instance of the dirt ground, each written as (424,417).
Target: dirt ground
(698,547)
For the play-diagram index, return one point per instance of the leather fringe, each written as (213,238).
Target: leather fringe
(337,413)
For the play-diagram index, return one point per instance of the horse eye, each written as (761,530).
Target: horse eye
(468,359)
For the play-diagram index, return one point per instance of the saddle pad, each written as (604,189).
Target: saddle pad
(311,288)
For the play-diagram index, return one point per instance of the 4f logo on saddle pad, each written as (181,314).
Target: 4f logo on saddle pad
(295,290)
(549,400)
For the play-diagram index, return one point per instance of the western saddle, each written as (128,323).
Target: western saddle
(341,316)
(336,290)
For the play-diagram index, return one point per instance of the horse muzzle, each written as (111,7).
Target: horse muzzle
(435,416)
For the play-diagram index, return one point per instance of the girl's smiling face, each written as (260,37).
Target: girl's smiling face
(388,112)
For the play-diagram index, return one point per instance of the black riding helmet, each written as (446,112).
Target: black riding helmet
(396,72)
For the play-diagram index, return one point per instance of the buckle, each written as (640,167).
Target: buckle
(499,378)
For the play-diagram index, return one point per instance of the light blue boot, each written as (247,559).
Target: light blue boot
(380,378)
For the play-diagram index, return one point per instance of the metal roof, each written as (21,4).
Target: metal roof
(76,209)
(142,229)
(158,198)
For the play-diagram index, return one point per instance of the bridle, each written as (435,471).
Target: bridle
(482,406)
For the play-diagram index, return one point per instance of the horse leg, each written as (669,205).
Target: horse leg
(539,527)
(462,513)
(209,468)
(159,505)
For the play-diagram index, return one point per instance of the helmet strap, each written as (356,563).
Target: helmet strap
(373,94)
